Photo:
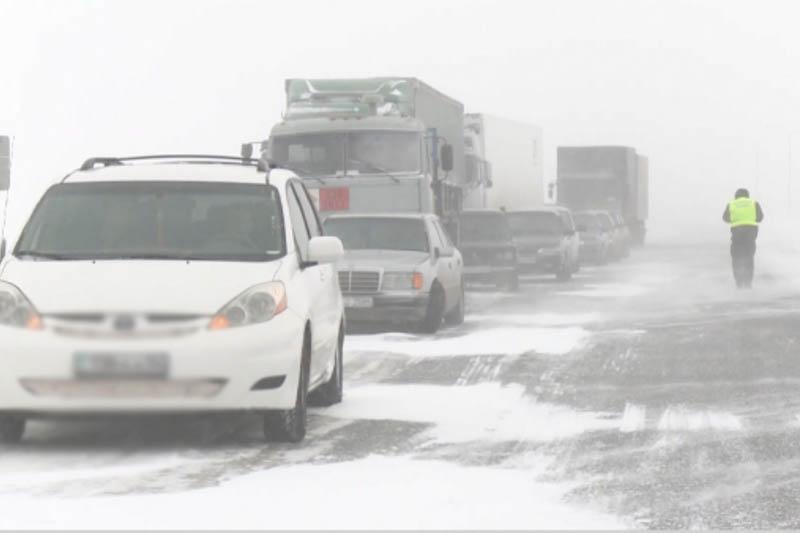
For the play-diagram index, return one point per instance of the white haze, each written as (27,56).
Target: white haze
(709,90)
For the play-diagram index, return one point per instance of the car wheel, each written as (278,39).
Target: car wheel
(510,282)
(435,312)
(331,392)
(565,271)
(12,429)
(456,316)
(290,425)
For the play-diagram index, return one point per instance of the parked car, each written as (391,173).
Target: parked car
(171,284)
(399,268)
(546,241)
(487,245)
(595,231)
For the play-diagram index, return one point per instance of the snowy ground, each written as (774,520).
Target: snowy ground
(644,394)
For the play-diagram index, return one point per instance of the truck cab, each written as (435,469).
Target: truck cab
(373,145)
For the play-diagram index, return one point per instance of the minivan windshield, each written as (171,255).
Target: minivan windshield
(156,220)
(368,233)
(485,227)
(535,223)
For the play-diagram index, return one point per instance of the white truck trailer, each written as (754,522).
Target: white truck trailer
(504,158)
(5,181)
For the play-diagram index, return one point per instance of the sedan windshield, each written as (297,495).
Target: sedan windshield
(485,227)
(379,233)
(595,222)
(535,223)
(156,220)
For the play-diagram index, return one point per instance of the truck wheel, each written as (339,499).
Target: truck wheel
(456,316)
(435,312)
(290,425)
(331,392)
(12,429)
(564,272)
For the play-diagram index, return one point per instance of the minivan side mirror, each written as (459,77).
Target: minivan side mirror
(324,250)
(446,157)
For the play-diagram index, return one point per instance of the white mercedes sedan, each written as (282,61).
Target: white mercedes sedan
(171,284)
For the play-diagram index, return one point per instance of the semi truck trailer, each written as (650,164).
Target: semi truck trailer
(373,145)
(504,163)
(611,178)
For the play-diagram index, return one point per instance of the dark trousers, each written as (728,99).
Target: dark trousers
(743,253)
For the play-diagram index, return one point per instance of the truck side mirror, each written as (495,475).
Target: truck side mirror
(446,157)
(2,250)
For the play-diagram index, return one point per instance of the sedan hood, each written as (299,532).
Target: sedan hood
(134,286)
(381,259)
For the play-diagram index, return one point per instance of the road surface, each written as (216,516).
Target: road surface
(648,393)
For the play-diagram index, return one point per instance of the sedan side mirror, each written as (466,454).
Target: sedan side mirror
(325,250)
(437,253)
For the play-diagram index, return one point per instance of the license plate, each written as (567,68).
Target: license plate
(121,365)
(358,302)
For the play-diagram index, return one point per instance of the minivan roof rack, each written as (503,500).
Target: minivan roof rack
(260,164)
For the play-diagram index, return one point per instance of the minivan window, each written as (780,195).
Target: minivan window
(156,220)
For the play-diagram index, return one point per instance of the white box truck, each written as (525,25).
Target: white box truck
(504,157)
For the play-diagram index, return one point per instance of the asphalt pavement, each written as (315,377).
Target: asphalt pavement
(651,389)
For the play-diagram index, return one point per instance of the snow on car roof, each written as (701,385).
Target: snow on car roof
(179,171)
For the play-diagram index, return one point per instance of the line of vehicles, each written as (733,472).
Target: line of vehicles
(375,151)
(175,284)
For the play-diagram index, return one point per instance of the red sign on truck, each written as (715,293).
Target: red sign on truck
(334,199)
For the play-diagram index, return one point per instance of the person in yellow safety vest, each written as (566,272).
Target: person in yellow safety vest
(744,215)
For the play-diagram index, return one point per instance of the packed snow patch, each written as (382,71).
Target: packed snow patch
(535,319)
(683,419)
(608,290)
(634,418)
(506,340)
(372,493)
(484,412)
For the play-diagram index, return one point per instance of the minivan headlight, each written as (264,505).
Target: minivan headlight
(16,310)
(256,305)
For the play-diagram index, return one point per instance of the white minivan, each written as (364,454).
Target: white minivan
(171,284)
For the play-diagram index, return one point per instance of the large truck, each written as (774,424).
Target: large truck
(503,162)
(611,178)
(373,145)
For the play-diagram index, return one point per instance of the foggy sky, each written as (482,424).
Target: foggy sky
(709,91)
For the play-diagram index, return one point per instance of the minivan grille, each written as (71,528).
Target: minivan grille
(359,281)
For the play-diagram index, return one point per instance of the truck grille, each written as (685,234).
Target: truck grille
(359,281)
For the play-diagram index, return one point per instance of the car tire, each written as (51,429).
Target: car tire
(290,425)
(12,429)
(331,392)
(456,316)
(509,282)
(565,271)
(435,311)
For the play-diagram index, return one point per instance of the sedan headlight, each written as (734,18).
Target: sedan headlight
(16,310)
(256,305)
(402,281)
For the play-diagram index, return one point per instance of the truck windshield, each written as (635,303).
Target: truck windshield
(485,227)
(156,220)
(535,223)
(354,153)
(368,233)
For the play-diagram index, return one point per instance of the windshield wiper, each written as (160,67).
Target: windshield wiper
(48,255)
(375,168)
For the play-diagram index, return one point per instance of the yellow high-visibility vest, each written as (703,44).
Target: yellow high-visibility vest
(743,212)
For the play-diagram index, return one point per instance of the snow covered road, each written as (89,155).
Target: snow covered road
(644,394)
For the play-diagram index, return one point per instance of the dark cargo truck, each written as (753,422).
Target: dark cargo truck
(610,178)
